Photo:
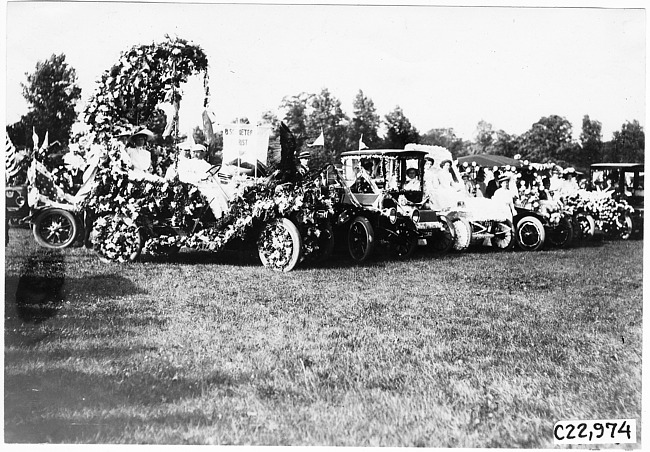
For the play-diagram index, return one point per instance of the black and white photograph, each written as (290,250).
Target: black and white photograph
(337,224)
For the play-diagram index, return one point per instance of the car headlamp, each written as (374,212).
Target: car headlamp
(20,201)
(391,214)
(415,215)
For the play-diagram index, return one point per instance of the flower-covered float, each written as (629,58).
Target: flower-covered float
(284,216)
(600,211)
(475,220)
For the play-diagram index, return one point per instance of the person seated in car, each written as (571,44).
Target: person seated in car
(138,158)
(412,182)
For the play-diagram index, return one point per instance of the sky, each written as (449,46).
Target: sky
(446,67)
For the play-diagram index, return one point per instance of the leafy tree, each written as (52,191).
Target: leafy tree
(399,132)
(591,141)
(144,76)
(548,140)
(484,138)
(505,144)
(446,137)
(365,122)
(52,94)
(628,145)
(295,115)
(327,115)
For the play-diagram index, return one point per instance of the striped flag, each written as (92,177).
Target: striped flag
(11,159)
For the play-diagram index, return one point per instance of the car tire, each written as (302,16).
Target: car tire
(55,228)
(463,231)
(627,227)
(279,245)
(584,226)
(504,237)
(562,234)
(530,233)
(361,239)
(443,241)
(120,231)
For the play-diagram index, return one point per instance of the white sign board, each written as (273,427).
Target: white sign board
(245,142)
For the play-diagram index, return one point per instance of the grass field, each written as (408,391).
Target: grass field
(480,349)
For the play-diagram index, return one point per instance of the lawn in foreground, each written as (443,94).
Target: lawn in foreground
(480,349)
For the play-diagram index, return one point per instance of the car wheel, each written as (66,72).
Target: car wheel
(625,224)
(584,226)
(503,235)
(406,244)
(117,239)
(443,240)
(279,245)
(463,231)
(361,239)
(55,228)
(530,234)
(562,234)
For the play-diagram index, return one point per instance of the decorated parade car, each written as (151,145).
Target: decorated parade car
(626,182)
(392,180)
(475,220)
(363,217)
(284,218)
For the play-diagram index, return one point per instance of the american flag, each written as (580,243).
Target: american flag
(11,160)
(42,186)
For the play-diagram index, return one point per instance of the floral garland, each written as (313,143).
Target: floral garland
(179,216)
(144,76)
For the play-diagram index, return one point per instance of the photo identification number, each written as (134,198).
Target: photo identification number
(607,431)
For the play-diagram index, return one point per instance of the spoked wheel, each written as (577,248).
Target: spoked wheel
(530,234)
(443,240)
(405,245)
(562,234)
(117,239)
(625,227)
(325,243)
(55,228)
(584,226)
(361,239)
(503,235)
(279,245)
(463,231)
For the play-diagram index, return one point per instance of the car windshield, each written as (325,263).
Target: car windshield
(361,174)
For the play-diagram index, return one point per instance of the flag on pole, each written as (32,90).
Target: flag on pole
(11,160)
(320,141)
(362,145)
(207,127)
(46,142)
(35,138)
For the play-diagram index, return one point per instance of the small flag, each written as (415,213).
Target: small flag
(320,141)
(362,145)
(35,138)
(207,127)
(11,160)
(46,142)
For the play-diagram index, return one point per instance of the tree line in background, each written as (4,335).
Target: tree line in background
(146,75)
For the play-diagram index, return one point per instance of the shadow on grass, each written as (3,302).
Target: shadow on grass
(58,405)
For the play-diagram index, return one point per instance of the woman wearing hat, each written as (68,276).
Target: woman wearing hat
(139,156)
(504,193)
